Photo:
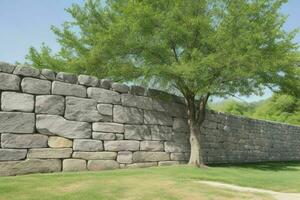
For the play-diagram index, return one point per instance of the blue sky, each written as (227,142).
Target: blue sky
(26,23)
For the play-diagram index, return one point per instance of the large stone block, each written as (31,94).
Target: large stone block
(13,101)
(168,163)
(137,90)
(50,104)
(48,74)
(29,166)
(88,80)
(105,83)
(124,157)
(177,147)
(12,154)
(36,86)
(137,101)
(94,165)
(95,155)
(161,132)
(180,125)
(152,146)
(141,165)
(156,117)
(105,109)
(74,165)
(6,67)
(87,145)
(104,136)
(127,115)
(180,156)
(23,141)
(122,145)
(79,109)
(119,87)
(66,77)
(68,89)
(9,82)
(50,153)
(27,71)
(141,156)
(16,122)
(57,125)
(137,132)
(108,127)
(104,96)
(59,142)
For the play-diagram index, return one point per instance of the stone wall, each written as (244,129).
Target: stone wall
(52,122)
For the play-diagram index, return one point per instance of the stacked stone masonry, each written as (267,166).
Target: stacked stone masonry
(51,122)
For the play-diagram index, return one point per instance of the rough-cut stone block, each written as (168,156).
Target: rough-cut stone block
(105,83)
(66,77)
(48,74)
(23,141)
(119,136)
(161,132)
(29,166)
(9,82)
(137,101)
(176,147)
(108,127)
(168,163)
(141,165)
(13,101)
(124,157)
(180,125)
(155,117)
(88,80)
(95,155)
(137,132)
(180,156)
(27,71)
(74,165)
(57,125)
(103,95)
(119,87)
(94,165)
(36,86)
(79,109)
(50,104)
(137,90)
(127,115)
(16,122)
(59,142)
(122,145)
(105,109)
(6,67)
(104,136)
(152,146)
(87,145)
(50,153)
(12,154)
(68,89)
(141,156)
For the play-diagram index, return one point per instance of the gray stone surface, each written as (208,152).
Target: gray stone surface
(119,87)
(137,90)
(119,136)
(105,83)
(94,165)
(66,77)
(155,117)
(88,80)
(95,155)
(137,132)
(23,141)
(180,125)
(161,132)
(180,156)
(50,153)
(108,127)
(16,122)
(104,96)
(13,101)
(68,89)
(29,166)
(57,125)
(6,67)
(168,163)
(12,154)
(105,109)
(87,145)
(48,74)
(59,142)
(9,82)
(122,145)
(127,115)
(124,157)
(176,147)
(80,109)
(141,165)
(35,86)
(50,104)
(139,102)
(104,136)
(74,165)
(141,156)
(27,71)
(152,146)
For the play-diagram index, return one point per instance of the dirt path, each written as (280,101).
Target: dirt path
(276,195)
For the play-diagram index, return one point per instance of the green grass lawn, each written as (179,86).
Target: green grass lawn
(161,183)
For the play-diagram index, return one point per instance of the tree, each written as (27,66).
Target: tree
(200,47)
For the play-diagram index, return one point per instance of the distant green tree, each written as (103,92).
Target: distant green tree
(199,47)
(234,107)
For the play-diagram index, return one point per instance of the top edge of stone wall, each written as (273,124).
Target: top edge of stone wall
(87,80)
